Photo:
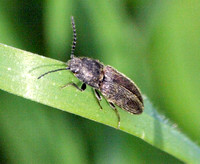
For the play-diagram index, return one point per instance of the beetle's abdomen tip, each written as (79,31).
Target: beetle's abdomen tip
(139,110)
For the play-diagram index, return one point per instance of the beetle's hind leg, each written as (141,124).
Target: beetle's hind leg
(98,97)
(83,87)
(117,113)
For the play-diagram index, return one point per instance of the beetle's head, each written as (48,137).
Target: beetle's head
(75,65)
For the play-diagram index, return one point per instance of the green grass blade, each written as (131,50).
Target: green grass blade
(18,75)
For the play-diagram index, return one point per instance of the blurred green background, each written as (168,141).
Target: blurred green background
(155,43)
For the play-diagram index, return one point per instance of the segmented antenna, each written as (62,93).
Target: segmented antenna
(74,37)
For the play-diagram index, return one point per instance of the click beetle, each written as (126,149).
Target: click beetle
(113,85)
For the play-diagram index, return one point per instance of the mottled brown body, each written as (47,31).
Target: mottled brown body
(120,90)
(115,87)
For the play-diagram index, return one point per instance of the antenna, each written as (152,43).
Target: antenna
(56,70)
(74,37)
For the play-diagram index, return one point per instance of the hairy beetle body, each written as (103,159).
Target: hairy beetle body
(114,86)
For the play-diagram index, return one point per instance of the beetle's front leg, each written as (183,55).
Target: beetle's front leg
(83,87)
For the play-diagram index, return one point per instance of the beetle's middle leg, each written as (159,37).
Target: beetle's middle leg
(98,97)
(117,113)
(83,87)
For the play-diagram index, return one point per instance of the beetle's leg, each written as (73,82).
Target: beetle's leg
(117,113)
(98,97)
(83,87)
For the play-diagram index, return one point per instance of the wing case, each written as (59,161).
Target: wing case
(120,90)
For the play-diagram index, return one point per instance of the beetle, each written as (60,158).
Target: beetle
(113,85)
